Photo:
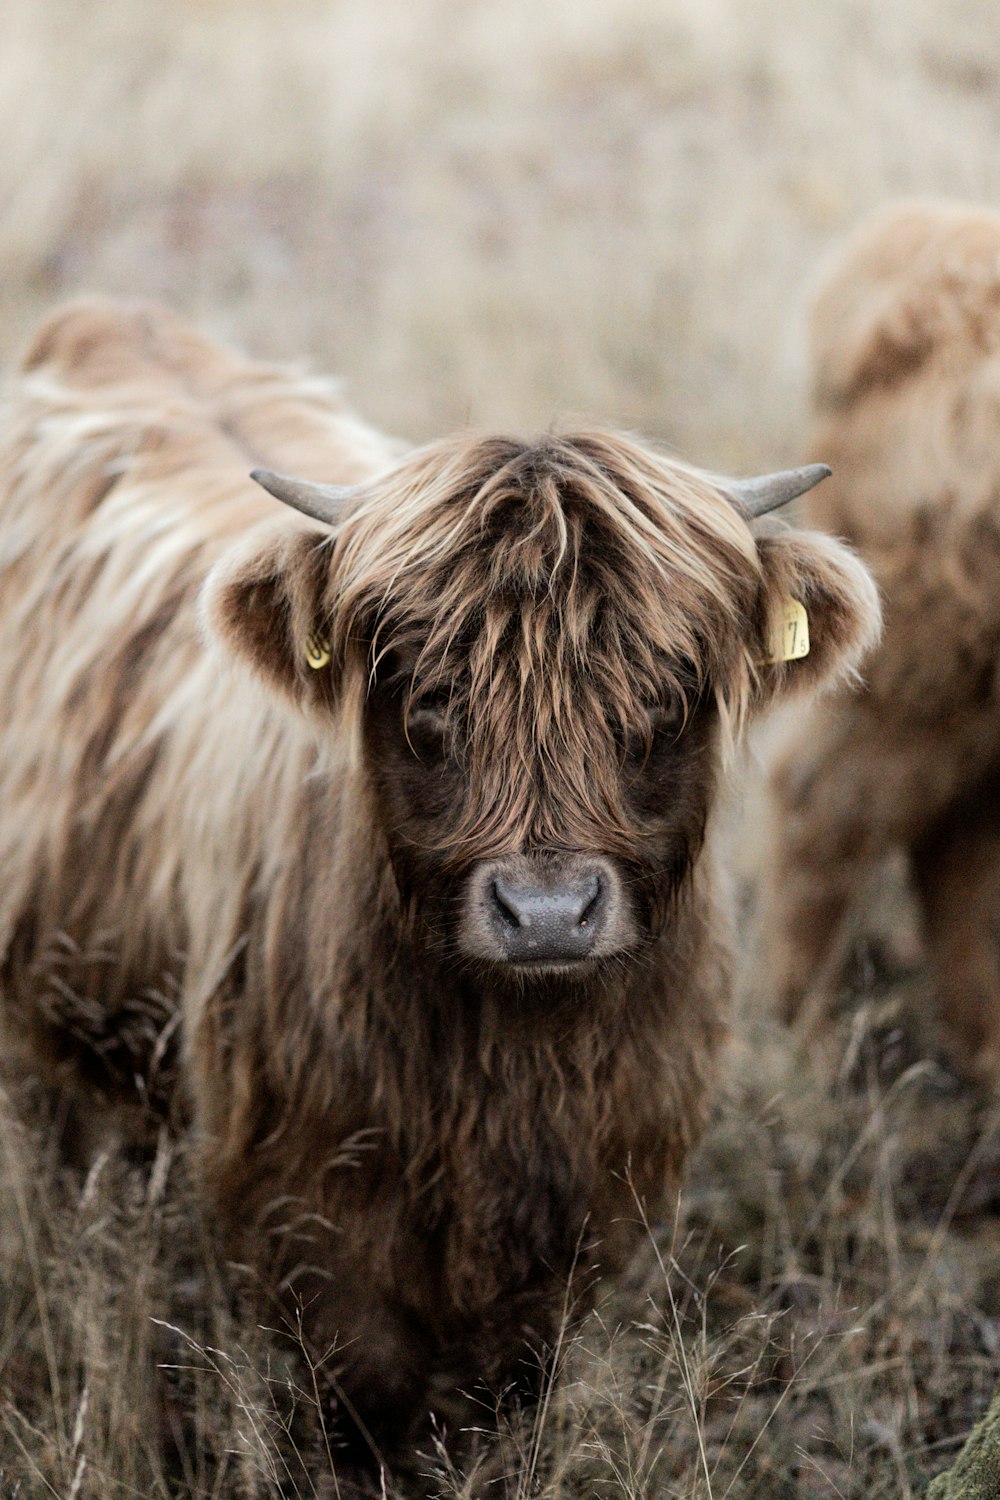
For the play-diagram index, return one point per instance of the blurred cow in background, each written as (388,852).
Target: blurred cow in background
(906,356)
(409,805)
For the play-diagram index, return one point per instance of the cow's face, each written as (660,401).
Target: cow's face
(530,843)
(552,642)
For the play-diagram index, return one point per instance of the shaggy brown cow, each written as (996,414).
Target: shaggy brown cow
(906,349)
(425,864)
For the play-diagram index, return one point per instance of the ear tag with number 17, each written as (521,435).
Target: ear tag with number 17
(791,641)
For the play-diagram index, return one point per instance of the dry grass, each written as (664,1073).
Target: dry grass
(500,213)
(493,211)
(820,1320)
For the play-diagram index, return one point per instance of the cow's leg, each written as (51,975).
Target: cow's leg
(809,944)
(956,869)
(827,836)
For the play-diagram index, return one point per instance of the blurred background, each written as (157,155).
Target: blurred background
(487,212)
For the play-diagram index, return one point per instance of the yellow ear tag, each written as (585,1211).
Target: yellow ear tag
(791,640)
(317,650)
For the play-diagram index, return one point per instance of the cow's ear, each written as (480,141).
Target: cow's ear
(266,605)
(813,584)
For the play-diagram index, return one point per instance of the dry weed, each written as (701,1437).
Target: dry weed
(819,1319)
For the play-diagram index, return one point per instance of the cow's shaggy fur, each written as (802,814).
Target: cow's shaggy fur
(906,352)
(534,648)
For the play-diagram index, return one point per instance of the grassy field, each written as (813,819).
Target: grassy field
(820,1320)
(504,214)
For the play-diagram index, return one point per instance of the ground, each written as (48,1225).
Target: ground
(506,214)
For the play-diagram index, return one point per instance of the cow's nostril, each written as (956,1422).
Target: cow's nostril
(591,896)
(506,902)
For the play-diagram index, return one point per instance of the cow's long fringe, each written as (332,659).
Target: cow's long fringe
(525,575)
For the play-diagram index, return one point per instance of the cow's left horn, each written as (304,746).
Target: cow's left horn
(758,496)
(323,502)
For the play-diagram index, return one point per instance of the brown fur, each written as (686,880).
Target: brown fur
(906,349)
(537,650)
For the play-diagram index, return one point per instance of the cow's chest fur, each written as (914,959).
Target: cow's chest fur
(491,1164)
(438,1173)
(498,1151)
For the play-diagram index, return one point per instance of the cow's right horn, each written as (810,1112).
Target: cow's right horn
(758,496)
(323,502)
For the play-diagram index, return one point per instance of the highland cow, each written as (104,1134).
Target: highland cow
(408,805)
(906,355)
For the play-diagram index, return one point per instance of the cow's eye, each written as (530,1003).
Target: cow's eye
(665,720)
(426,727)
(667,717)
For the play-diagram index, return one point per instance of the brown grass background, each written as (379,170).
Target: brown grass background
(492,211)
(503,213)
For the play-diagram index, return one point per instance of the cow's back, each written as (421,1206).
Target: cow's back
(132,765)
(906,357)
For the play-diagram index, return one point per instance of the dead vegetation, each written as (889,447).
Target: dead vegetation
(820,1319)
(495,212)
(498,213)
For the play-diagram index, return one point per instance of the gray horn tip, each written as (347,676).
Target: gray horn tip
(323,502)
(265,477)
(767,493)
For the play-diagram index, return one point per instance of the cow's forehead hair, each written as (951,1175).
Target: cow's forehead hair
(554,590)
(558,555)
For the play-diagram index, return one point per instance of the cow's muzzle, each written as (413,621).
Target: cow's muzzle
(543,911)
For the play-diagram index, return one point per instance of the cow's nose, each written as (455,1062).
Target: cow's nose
(547,924)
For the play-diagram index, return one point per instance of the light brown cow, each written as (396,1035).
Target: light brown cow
(906,355)
(407,806)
